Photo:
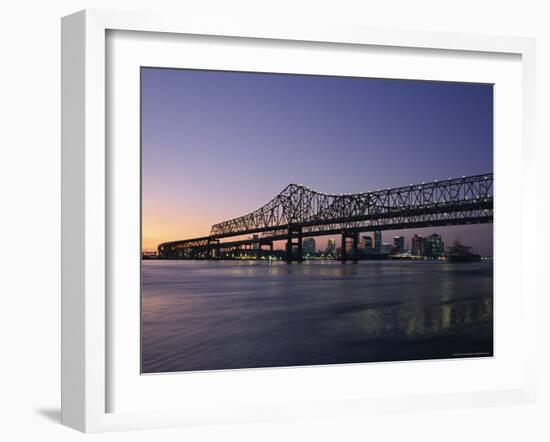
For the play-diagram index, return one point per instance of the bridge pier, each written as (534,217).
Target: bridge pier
(293,233)
(288,249)
(213,246)
(355,247)
(354,236)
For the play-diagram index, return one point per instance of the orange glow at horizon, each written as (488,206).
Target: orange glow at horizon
(164,221)
(158,228)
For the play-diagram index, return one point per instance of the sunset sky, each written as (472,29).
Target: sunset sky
(216,145)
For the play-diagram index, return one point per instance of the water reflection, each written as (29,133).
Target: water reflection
(423,321)
(213,315)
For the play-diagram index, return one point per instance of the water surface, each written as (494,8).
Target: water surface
(206,315)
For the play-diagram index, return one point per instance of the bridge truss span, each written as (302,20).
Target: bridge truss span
(299,211)
(300,205)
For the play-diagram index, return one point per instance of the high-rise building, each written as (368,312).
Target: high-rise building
(308,246)
(417,245)
(331,247)
(398,244)
(256,244)
(378,241)
(435,246)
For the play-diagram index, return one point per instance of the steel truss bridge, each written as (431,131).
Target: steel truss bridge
(299,212)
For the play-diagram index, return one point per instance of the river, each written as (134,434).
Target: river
(207,315)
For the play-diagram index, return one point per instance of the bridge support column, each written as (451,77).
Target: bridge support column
(343,251)
(355,247)
(299,251)
(213,249)
(293,233)
(289,249)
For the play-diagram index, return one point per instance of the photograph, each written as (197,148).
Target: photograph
(292,220)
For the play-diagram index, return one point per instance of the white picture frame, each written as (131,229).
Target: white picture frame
(85,209)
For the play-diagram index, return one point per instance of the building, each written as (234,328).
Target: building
(418,244)
(308,246)
(378,241)
(431,246)
(435,247)
(256,242)
(398,244)
(386,248)
(331,247)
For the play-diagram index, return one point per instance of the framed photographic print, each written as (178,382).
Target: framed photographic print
(262,223)
(244,268)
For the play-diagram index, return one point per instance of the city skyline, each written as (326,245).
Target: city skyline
(322,242)
(208,134)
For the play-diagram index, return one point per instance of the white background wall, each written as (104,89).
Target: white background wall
(30,220)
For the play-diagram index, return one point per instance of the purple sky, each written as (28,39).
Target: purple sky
(216,145)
